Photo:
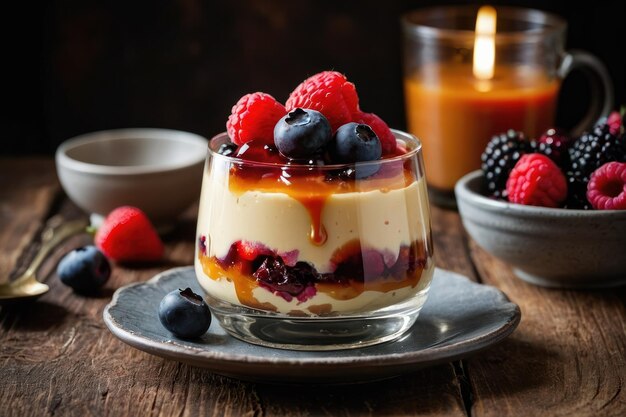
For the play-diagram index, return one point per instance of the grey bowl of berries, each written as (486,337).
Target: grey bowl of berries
(552,208)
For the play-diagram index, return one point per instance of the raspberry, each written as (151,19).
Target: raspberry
(254,117)
(614,121)
(387,139)
(128,236)
(607,187)
(536,181)
(328,92)
(250,250)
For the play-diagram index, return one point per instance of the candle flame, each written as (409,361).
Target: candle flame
(485,43)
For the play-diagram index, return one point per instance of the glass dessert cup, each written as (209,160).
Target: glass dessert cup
(315,257)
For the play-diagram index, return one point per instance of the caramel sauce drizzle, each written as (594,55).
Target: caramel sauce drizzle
(311,189)
(244,282)
(314,205)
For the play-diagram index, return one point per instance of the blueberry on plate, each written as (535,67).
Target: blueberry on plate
(185,314)
(84,269)
(355,142)
(302,134)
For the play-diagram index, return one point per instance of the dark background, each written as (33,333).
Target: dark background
(76,66)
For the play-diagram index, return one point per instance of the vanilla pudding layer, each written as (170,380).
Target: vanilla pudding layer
(381,220)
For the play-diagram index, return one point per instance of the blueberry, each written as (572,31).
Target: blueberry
(84,269)
(302,134)
(185,314)
(354,142)
(227,149)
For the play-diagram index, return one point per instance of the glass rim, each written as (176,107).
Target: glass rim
(399,134)
(416,23)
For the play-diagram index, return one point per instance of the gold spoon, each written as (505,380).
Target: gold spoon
(26,285)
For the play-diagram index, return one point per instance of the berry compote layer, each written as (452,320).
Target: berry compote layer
(310,240)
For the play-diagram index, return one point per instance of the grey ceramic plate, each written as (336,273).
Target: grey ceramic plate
(459,318)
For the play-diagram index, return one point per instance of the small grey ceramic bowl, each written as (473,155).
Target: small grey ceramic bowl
(156,170)
(546,246)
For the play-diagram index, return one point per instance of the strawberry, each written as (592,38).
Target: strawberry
(128,236)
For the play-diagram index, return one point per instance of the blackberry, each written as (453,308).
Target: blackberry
(577,195)
(589,152)
(292,280)
(552,151)
(554,144)
(500,156)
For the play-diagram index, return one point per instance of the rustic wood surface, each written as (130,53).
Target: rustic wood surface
(57,358)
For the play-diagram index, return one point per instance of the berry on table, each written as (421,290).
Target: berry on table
(537,181)
(184,313)
(328,92)
(500,156)
(126,235)
(607,187)
(302,134)
(254,117)
(85,269)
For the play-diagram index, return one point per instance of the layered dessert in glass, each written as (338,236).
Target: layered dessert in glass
(315,248)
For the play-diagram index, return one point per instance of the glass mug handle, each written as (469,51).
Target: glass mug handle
(599,80)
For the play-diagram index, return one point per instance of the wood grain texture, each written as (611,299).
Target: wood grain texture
(566,358)
(28,187)
(57,358)
(450,243)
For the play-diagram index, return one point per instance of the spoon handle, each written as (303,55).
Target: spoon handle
(56,231)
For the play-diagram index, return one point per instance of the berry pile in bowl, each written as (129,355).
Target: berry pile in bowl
(314,225)
(553,208)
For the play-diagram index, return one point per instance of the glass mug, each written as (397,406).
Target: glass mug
(315,257)
(455,114)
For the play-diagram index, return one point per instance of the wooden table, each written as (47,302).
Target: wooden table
(567,357)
